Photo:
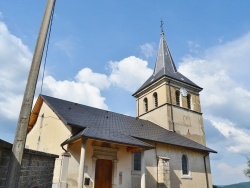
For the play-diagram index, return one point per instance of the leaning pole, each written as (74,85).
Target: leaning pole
(24,116)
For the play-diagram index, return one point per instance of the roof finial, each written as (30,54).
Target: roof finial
(162,32)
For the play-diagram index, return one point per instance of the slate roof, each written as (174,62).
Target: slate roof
(106,125)
(108,135)
(165,67)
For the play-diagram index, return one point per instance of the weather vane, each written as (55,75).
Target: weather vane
(162,26)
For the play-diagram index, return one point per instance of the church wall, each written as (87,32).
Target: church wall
(73,169)
(47,135)
(195,99)
(122,177)
(125,175)
(162,97)
(161,117)
(197,176)
(189,124)
(151,168)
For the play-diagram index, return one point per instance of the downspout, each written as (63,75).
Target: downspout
(157,162)
(204,157)
(64,149)
(138,107)
(64,168)
(172,117)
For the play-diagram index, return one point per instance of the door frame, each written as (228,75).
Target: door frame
(107,153)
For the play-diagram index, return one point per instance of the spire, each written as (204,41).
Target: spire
(164,59)
(165,67)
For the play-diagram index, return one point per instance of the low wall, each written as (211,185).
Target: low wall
(36,170)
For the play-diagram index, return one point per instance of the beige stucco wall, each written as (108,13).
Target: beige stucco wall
(132,179)
(187,122)
(161,90)
(196,165)
(52,133)
(195,98)
(161,117)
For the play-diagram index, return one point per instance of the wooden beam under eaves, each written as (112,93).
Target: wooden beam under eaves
(134,149)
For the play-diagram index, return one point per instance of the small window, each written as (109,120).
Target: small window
(155,99)
(177,96)
(184,161)
(137,161)
(189,101)
(145,104)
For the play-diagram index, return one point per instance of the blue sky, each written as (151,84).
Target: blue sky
(102,51)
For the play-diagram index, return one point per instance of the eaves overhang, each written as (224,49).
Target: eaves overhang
(169,78)
(108,136)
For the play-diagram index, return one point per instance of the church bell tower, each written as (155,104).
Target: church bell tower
(169,99)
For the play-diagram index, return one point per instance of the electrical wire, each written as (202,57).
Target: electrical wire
(47,46)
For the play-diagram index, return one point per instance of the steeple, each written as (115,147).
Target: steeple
(164,59)
(165,67)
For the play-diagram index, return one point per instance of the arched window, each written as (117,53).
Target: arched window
(155,99)
(177,96)
(184,161)
(189,101)
(145,100)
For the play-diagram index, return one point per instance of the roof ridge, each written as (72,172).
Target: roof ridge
(85,105)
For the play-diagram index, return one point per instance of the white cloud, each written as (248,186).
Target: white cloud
(226,93)
(147,50)
(193,46)
(129,73)
(10,104)
(230,173)
(98,80)
(15,59)
(238,139)
(229,170)
(66,45)
(83,93)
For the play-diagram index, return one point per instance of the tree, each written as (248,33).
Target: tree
(247,170)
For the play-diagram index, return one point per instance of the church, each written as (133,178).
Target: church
(164,146)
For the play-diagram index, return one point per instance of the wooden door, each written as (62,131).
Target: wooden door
(103,173)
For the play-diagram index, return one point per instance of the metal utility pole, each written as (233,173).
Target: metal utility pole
(24,116)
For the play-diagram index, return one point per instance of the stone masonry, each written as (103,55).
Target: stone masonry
(163,173)
(36,170)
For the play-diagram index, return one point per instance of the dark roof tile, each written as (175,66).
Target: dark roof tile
(111,124)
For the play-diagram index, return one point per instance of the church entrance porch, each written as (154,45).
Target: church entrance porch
(101,164)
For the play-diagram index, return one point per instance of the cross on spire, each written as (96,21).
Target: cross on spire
(162,26)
